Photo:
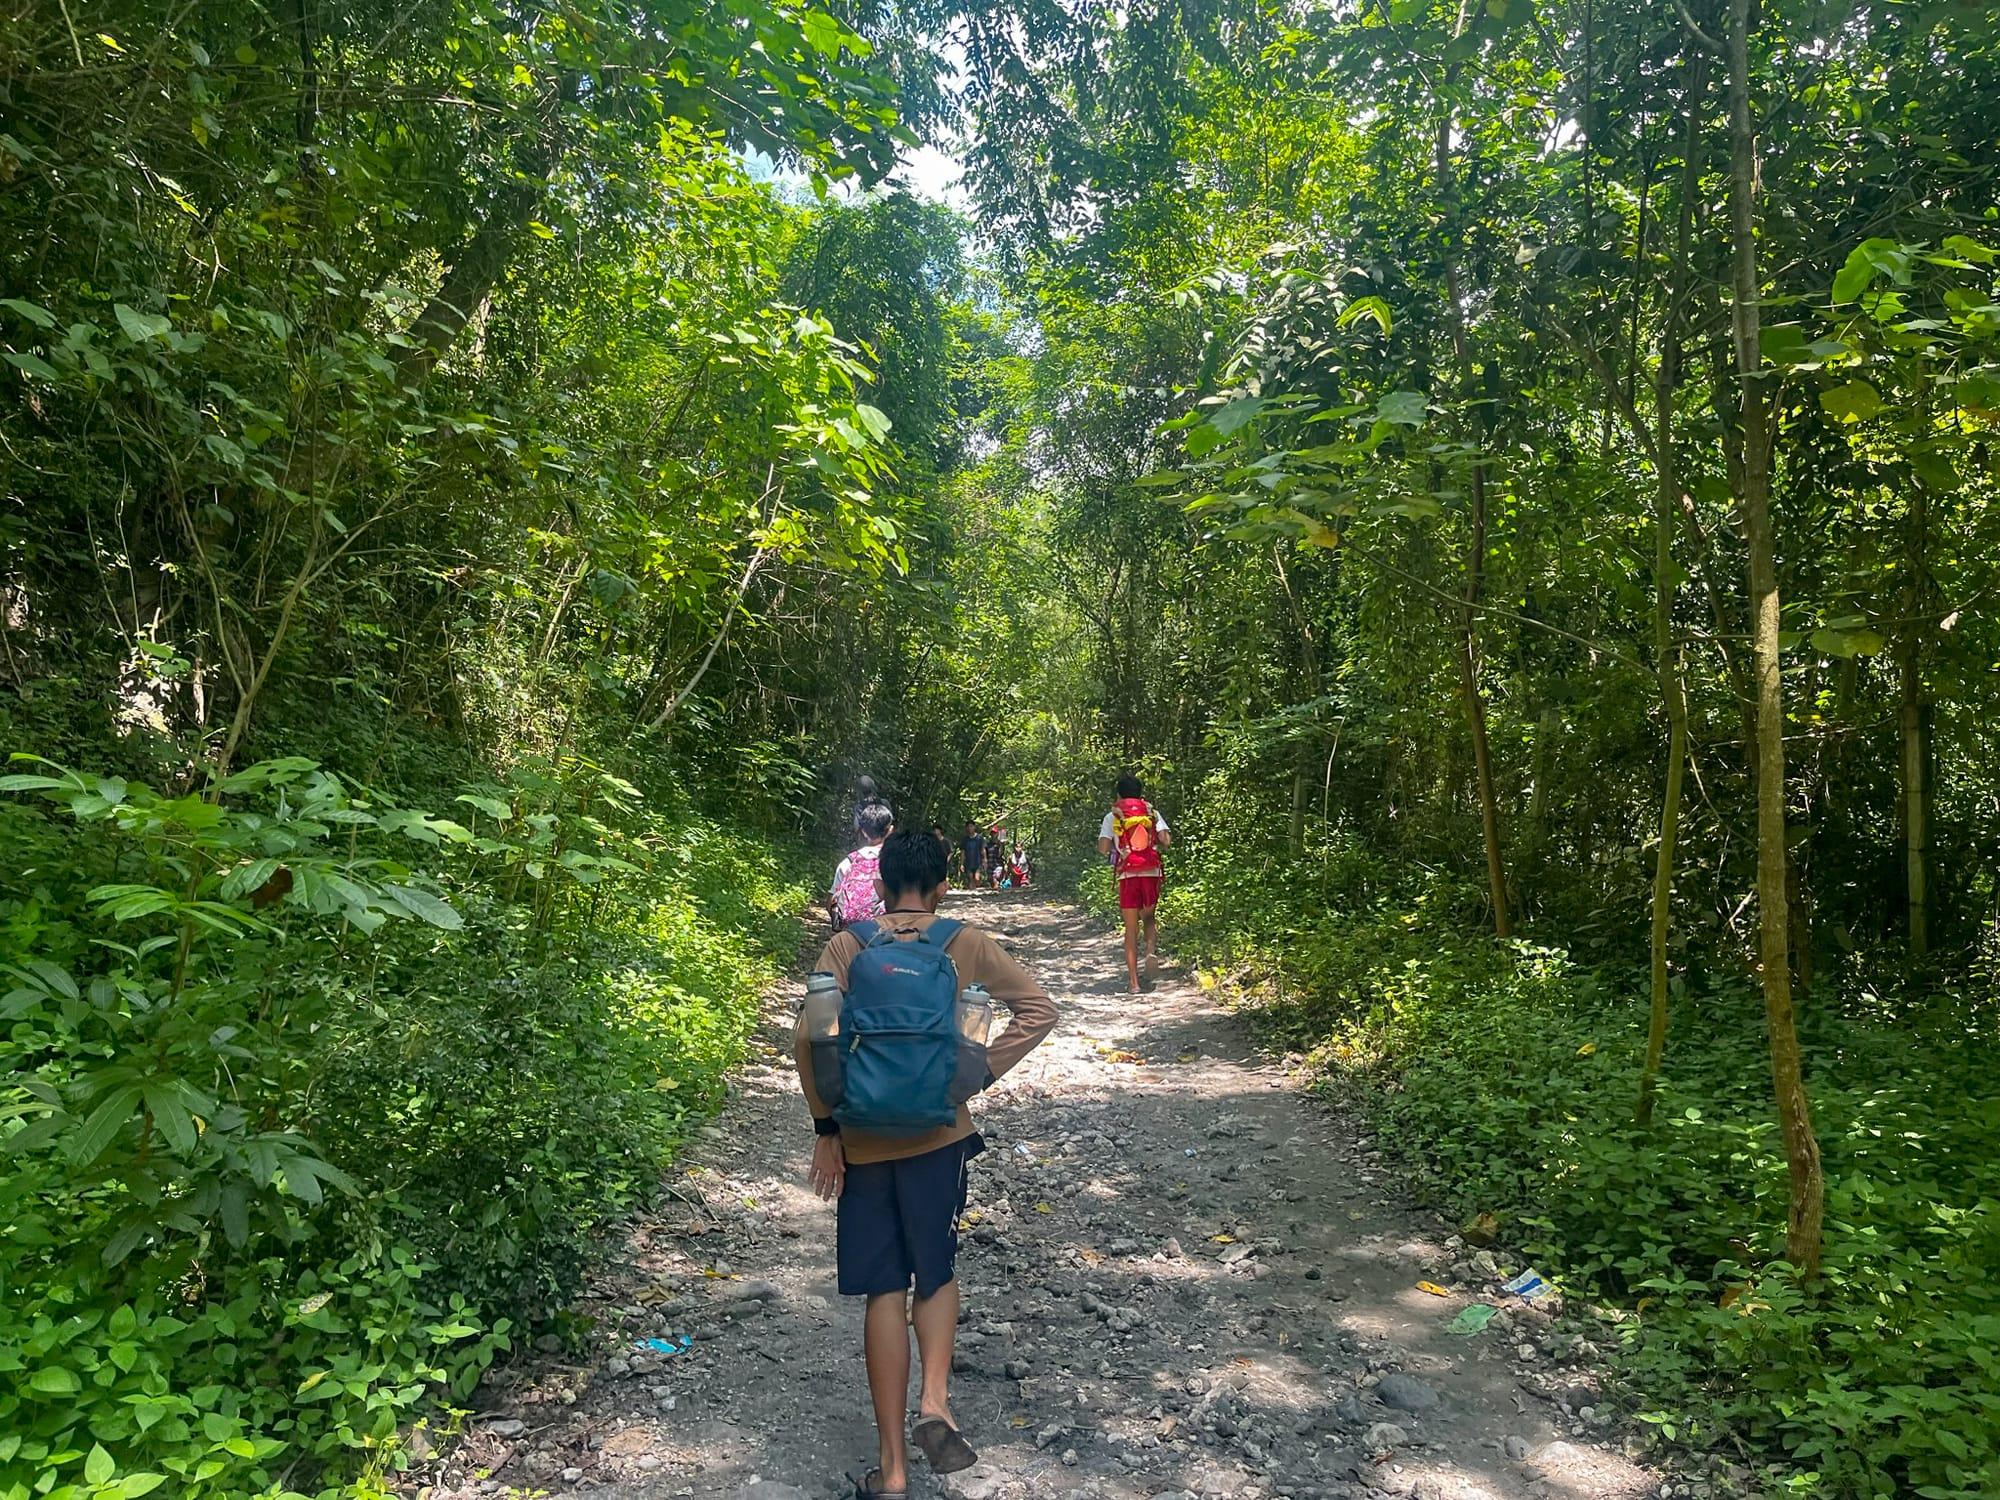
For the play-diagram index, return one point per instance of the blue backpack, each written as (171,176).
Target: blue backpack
(902,1067)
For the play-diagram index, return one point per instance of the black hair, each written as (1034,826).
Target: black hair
(874,820)
(865,790)
(1128,786)
(912,861)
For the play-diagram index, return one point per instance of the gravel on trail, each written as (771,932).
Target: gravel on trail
(1181,1276)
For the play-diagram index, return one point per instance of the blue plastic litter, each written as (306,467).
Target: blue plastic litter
(679,1344)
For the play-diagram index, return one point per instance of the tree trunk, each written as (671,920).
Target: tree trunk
(1475,710)
(1666,652)
(493,245)
(1913,715)
(1663,884)
(1306,654)
(1916,809)
(1673,698)
(1802,1159)
(1299,786)
(1475,556)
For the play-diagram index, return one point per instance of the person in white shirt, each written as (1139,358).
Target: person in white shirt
(854,897)
(1132,835)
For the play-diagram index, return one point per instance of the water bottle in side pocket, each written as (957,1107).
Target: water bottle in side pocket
(975,1026)
(822,1023)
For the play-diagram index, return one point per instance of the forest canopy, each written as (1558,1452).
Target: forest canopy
(1518,479)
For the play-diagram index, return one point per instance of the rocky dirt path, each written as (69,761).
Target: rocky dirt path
(1181,1279)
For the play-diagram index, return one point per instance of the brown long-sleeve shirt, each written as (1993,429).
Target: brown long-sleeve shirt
(1031,1016)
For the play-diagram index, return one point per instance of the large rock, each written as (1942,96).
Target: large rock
(1384,1435)
(1220,1479)
(980,1482)
(1406,1393)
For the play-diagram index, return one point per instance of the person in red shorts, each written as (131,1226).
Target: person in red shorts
(1132,835)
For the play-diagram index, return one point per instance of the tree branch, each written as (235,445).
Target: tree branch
(1701,37)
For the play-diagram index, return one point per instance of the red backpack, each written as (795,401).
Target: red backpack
(1138,837)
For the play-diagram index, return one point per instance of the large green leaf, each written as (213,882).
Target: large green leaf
(54,1380)
(32,364)
(138,326)
(1405,408)
(1847,643)
(426,907)
(1856,401)
(1372,308)
(103,1123)
(40,316)
(1866,261)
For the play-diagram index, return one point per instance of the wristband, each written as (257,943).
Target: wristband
(826,1126)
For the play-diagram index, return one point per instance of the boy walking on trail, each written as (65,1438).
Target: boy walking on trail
(973,847)
(854,896)
(1133,834)
(900,1192)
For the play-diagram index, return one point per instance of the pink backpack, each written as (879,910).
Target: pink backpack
(854,898)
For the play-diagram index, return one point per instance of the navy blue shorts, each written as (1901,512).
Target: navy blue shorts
(898,1221)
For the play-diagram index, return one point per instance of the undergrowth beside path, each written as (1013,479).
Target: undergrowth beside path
(1502,1078)
(319,1101)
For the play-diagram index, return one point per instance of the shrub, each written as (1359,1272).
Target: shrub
(1502,1079)
(293,1132)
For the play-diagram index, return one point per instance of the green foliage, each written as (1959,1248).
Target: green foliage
(1500,1078)
(293,1131)
(439,477)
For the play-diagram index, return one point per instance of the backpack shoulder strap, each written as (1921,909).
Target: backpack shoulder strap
(863,932)
(942,931)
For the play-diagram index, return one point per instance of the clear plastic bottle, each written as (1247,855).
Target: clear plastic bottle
(821,1011)
(822,1007)
(975,1024)
(975,1014)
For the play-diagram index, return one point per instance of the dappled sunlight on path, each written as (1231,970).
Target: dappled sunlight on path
(1180,1278)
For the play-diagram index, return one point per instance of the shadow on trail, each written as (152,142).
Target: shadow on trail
(1178,1279)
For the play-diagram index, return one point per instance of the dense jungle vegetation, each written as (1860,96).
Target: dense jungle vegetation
(1518,478)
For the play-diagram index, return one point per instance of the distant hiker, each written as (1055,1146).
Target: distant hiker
(943,838)
(866,794)
(1132,835)
(854,895)
(972,848)
(891,1041)
(1020,865)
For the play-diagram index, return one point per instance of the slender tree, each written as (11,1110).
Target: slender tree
(1757,416)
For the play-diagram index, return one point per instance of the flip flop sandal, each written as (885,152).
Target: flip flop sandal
(944,1446)
(870,1488)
